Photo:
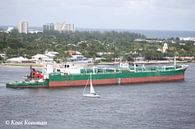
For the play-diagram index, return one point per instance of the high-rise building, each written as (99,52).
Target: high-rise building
(64,27)
(48,27)
(22,27)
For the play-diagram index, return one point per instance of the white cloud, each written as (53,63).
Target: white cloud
(140,14)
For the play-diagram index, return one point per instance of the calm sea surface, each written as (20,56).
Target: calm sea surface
(150,33)
(143,106)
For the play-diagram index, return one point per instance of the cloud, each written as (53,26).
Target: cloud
(176,4)
(155,14)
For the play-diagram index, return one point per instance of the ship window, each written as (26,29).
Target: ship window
(66,66)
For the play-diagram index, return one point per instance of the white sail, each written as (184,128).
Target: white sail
(92,91)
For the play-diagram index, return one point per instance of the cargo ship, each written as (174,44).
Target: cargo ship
(70,76)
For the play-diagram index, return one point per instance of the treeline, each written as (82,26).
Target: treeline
(19,44)
(115,44)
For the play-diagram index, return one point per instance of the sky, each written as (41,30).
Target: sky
(105,14)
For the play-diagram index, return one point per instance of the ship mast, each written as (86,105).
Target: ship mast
(175,61)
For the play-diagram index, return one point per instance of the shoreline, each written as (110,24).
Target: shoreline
(102,63)
(22,65)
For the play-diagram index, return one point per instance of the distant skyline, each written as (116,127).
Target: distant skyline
(108,14)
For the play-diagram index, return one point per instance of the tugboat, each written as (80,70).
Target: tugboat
(34,80)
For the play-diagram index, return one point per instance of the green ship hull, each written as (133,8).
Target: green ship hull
(28,84)
(117,77)
(112,76)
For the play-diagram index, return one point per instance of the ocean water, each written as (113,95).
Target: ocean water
(161,34)
(141,106)
(165,34)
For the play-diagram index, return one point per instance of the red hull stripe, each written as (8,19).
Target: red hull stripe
(152,79)
(116,81)
(82,83)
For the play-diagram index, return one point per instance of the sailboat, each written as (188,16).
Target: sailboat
(92,92)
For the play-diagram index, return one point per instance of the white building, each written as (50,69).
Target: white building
(48,27)
(18,60)
(51,54)
(42,59)
(64,27)
(78,58)
(22,27)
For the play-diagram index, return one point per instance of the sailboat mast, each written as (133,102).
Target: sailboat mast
(90,80)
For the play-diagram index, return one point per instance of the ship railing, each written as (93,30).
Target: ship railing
(152,69)
(100,71)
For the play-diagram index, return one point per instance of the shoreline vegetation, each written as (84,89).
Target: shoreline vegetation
(111,45)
